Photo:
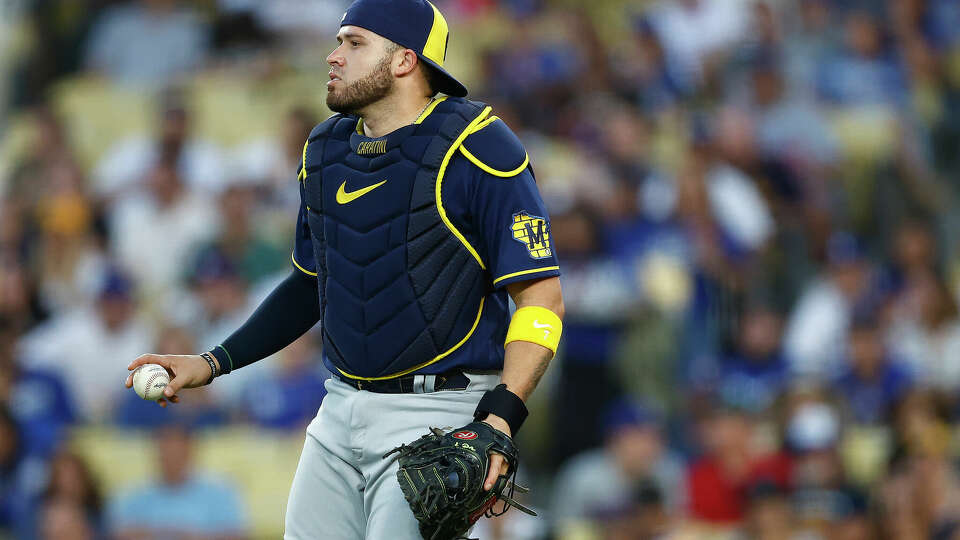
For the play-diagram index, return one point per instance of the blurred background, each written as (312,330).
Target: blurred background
(754,204)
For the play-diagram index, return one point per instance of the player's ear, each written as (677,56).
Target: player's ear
(405,62)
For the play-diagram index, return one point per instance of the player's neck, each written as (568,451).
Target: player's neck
(392,113)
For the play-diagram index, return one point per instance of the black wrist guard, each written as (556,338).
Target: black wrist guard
(504,404)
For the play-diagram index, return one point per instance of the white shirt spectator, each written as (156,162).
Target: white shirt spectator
(692,30)
(155,243)
(815,340)
(201,164)
(932,354)
(91,358)
(739,207)
(317,17)
(592,482)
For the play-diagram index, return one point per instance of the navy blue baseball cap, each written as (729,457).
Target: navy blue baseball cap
(413,24)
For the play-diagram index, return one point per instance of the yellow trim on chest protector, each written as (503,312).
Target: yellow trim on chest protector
(443,169)
(488,169)
(537,325)
(427,363)
(303,164)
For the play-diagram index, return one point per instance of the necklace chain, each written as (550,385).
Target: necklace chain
(424,109)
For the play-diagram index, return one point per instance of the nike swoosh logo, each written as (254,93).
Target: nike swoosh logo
(343,197)
(536,324)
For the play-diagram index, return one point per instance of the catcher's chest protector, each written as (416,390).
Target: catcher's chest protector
(398,288)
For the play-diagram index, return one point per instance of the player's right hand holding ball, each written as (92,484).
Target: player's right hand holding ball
(186,371)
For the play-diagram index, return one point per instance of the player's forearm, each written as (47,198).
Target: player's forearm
(524,363)
(287,313)
(531,343)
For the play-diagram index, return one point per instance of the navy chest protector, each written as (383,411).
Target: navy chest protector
(400,286)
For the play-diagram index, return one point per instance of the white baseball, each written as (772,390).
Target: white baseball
(149,380)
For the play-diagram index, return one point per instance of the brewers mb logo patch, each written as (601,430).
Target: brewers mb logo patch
(533,232)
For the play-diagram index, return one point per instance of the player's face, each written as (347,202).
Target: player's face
(360,70)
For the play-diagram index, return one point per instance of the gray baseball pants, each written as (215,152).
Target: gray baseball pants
(343,488)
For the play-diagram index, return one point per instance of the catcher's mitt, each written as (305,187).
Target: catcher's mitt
(442,474)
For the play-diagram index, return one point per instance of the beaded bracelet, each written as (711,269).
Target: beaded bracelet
(214,372)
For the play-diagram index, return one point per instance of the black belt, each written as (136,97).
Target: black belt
(411,384)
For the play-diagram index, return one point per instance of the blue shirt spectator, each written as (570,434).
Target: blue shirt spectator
(754,373)
(43,407)
(124,42)
(179,503)
(289,397)
(872,382)
(198,505)
(863,74)
(21,479)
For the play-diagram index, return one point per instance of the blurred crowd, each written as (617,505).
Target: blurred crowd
(753,202)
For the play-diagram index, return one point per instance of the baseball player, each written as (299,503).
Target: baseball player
(419,219)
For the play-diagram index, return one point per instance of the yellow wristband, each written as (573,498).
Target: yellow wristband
(537,325)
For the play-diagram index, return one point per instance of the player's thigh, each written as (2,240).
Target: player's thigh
(326,498)
(389,515)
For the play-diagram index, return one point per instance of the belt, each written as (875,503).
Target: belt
(411,384)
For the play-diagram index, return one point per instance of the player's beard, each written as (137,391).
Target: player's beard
(359,94)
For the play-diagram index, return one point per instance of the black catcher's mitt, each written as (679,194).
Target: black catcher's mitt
(441,475)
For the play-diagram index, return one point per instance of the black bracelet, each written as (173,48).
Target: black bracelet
(213,366)
(504,404)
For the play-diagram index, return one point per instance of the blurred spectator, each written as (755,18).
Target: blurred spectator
(718,481)
(810,35)
(222,294)
(606,479)
(181,502)
(69,256)
(65,519)
(199,162)
(726,214)
(217,302)
(303,19)
(49,148)
(926,333)
(154,233)
(872,381)
(821,496)
(920,498)
(816,336)
(789,128)
(21,479)
(71,488)
(642,515)
(247,248)
(125,40)
(591,280)
(37,399)
(19,298)
(274,161)
(90,347)
(513,525)
(769,515)
(290,395)
(694,32)
(754,374)
(199,411)
(644,75)
(863,72)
